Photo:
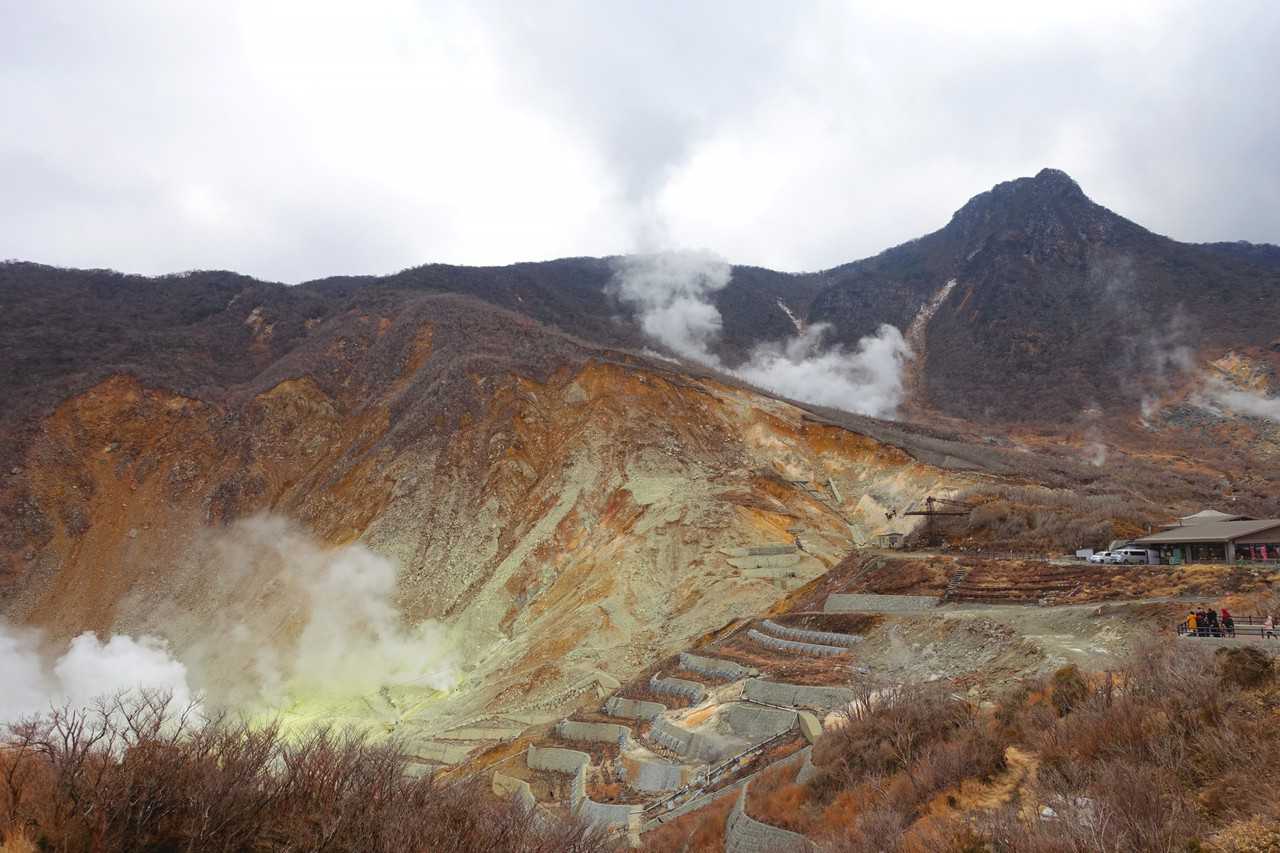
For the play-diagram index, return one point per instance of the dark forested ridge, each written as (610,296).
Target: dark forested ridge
(1059,304)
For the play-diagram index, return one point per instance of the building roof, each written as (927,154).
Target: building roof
(1215,531)
(1207,516)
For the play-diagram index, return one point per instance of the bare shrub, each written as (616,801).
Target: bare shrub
(1244,667)
(134,774)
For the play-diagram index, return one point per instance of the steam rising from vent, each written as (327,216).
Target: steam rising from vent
(283,621)
(310,622)
(1241,401)
(867,381)
(671,293)
(31,683)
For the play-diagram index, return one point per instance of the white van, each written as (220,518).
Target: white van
(1130,556)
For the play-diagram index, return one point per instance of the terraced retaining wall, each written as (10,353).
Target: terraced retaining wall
(654,776)
(623,817)
(691,690)
(796,695)
(860,603)
(567,761)
(594,732)
(759,551)
(684,742)
(508,786)
(715,667)
(826,638)
(633,709)
(793,647)
(745,834)
(757,722)
(768,561)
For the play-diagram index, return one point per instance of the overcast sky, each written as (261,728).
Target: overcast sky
(293,140)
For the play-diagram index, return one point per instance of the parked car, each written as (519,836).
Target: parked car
(1100,557)
(1130,556)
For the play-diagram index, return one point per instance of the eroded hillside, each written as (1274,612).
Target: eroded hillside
(570,522)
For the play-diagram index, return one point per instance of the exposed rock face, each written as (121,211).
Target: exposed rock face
(1059,304)
(574,508)
(569,519)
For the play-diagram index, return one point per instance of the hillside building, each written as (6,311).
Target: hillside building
(1216,541)
(1207,516)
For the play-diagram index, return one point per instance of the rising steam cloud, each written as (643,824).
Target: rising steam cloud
(671,293)
(1241,401)
(308,621)
(31,683)
(275,618)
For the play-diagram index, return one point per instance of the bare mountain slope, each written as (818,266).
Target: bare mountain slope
(571,513)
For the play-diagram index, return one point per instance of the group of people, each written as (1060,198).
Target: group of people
(1207,623)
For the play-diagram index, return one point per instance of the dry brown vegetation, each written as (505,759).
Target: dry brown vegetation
(137,774)
(1172,752)
(701,831)
(1035,518)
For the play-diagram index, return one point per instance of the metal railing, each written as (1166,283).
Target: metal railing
(1241,626)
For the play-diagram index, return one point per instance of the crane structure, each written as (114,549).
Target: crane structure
(931,512)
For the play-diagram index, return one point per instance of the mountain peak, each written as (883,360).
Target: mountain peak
(1038,216)
(1056,178)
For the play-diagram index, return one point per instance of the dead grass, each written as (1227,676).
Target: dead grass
(701,831)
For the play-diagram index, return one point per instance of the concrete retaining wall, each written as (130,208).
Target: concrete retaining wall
(766,561)
(759,551)
(594,732)
(757,722)
(715,667)
(693,745)
(825,638)
(612,815)
(633,709)
(509,786)
(671,736)
(858,603)
(568,761)
(744,834)
(690,690)
(655,775)
(796,695)
(807,772)
(793,647)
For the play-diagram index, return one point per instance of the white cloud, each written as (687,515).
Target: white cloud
(293,140)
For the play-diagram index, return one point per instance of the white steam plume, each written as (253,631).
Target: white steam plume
(671,293)
(867,381)
(31,684)
(274,618)
(1243,402)
(294,619)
